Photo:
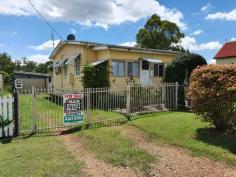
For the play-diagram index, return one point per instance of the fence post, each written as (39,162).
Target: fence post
(128,99)
(88,104)
(163,95)
(176,95)
(33,110)
(16,112)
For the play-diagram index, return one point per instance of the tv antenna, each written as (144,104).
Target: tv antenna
(52,38)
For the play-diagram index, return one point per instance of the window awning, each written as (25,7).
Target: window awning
(98,62)
(59,63)
(49,66)
(71,59)
(153,60)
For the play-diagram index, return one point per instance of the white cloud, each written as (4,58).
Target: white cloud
(222,15)
(38,58)
(73,31)
(206,8)
(48,45)
(196,33)
(103,13)
(14,33)
(129,43)
(211,61)
(191,44)
(233,39)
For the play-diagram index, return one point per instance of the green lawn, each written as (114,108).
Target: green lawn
(37,156)
(111,147)
(185,130)
(50,114)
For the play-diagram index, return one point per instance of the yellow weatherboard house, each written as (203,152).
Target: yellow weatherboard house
(145,66)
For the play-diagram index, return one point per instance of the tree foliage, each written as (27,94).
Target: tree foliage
(7,66)
(181,68)
(44,67)
(159,34)
(212,94)
(96,76)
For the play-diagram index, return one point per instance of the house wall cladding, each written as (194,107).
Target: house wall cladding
(226,60)
(88,55)
(59,82)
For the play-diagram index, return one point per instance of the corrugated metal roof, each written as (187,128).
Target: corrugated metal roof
(112,46)
(32,73)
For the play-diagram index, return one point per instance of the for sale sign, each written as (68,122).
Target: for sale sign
(73,108)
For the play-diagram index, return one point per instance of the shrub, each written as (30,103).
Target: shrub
(180,70)
(96,76)
(212,94)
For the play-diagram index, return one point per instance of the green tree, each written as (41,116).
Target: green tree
(18,65)
(44,67)
(6,63)
(159,34)
(28,66)
(180,70)
(7,68)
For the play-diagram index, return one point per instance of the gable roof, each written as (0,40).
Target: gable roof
(228,50)
(102,46)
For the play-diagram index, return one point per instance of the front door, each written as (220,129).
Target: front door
(145,79)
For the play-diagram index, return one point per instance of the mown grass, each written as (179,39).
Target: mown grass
(37,156)
(50,114)
(110,146)
(185,130)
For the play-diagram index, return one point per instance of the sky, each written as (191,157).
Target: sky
(207,24)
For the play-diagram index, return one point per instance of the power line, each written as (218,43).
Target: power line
(50,26)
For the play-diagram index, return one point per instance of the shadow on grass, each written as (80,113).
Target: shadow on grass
(6,140)
(210,136)
(71,130)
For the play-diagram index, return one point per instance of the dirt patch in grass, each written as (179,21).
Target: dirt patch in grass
(93,166)
(175,161)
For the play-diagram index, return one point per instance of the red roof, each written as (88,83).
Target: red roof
(228,50)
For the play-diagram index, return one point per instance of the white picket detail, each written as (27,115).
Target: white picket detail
(6,111)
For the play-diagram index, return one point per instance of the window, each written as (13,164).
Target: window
(77,66)
(145,65)
(65,71)
(133,69)
(159,70)
(118,68)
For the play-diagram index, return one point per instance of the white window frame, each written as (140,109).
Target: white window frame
(117,64)
(133,62)
(77,66)
(158,75)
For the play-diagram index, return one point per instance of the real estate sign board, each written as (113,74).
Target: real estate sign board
(73,108)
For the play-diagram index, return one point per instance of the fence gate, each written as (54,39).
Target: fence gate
(42,109)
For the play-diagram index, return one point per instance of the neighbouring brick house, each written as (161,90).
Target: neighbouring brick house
(145,65)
